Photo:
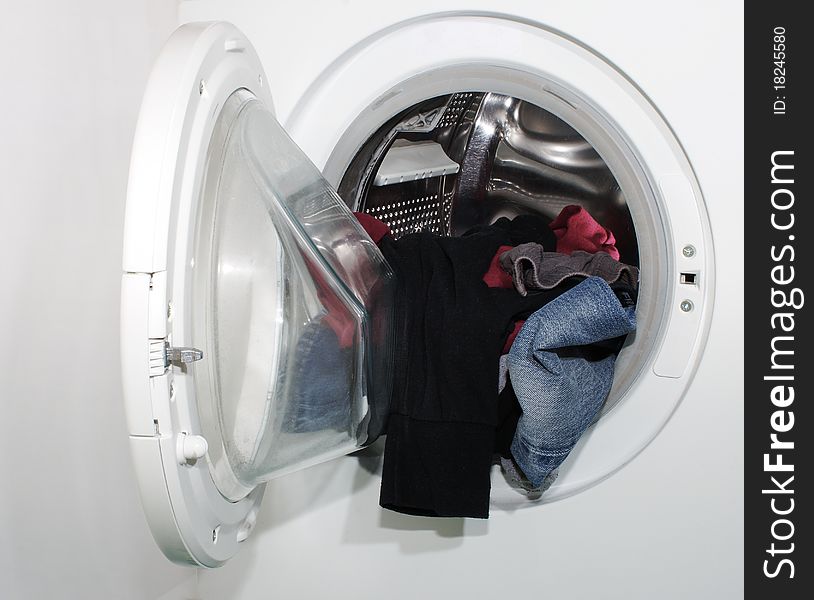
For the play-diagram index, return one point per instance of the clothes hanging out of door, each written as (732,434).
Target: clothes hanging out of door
(456,308)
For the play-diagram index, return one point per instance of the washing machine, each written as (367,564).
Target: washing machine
(262,128)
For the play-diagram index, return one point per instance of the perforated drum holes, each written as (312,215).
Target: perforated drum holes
(415,214)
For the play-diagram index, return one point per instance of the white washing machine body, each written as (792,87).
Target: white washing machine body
(665,525)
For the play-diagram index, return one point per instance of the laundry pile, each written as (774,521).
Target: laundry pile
(505,345)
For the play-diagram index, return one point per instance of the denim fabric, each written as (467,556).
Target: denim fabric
(532,268)
(320,382)
(560,396)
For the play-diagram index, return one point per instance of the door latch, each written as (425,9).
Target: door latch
(181,355)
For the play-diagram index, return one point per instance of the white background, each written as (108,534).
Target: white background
(71,75)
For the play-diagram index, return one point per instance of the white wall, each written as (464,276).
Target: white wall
(71,75)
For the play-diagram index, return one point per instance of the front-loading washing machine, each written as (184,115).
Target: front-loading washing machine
(239,231)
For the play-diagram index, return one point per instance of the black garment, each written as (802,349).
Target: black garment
(450,333)
(522,229)
(508,414)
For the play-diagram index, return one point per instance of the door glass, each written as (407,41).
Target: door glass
(291,306)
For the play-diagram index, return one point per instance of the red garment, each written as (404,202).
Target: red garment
(496,277)
(338,316)
(375,228)
(518,325)
(576,229)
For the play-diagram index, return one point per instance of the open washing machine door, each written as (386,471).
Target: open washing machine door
(255,310)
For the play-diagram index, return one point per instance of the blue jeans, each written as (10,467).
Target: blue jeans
(321,378)
(561,395)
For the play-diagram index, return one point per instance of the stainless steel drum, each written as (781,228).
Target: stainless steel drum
(513,158)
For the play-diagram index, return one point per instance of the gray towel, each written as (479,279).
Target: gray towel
(532,268)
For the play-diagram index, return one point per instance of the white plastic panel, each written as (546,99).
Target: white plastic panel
(135,356)
(687,303)
(411,161)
